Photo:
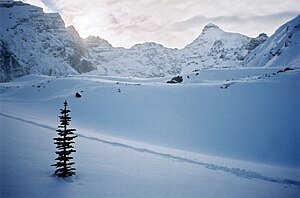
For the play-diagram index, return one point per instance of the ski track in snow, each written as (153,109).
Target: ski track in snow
(235,171)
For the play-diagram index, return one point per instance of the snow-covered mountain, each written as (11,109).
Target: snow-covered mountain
(215,48)
(34,42)
(281,49)
(142,60)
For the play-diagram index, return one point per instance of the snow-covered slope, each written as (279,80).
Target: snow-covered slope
(282,49)
(220,112)
(120,120)
(34,42)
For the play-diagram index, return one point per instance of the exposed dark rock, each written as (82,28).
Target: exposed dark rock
(177,79)
(225,86)
(284,70)
(78,95)
(288,69)
(255,42)
(9,65)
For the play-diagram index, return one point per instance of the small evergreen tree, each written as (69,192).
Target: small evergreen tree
(64,146)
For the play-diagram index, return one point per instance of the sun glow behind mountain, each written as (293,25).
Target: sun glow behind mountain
(82,26)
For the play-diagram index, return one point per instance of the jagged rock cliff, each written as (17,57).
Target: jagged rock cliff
(38,42)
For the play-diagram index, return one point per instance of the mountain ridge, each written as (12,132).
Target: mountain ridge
(34,42)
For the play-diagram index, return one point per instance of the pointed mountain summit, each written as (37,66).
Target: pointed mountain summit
(211,26)
(97,42)
(212,32)
(215,48)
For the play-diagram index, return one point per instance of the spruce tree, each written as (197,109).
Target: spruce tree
(64,146)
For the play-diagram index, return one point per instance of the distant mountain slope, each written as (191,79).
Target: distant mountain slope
(142,60)
(215,48)
(34,42)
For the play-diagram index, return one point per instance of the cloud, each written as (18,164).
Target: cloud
(173,23)
(233,20)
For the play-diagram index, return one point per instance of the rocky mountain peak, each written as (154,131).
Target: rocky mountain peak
(96,41)
(262,35)
(71,29)
(149,45)
(211,26)
(255,42)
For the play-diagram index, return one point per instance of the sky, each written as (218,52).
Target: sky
(173,23)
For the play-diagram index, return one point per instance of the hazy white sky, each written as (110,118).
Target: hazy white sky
(173,23)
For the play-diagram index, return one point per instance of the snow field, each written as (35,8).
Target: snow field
(116,155)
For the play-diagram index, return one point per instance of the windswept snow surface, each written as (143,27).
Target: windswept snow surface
(146,138)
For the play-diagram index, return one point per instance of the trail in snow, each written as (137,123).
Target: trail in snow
(28,121)
(235,171)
